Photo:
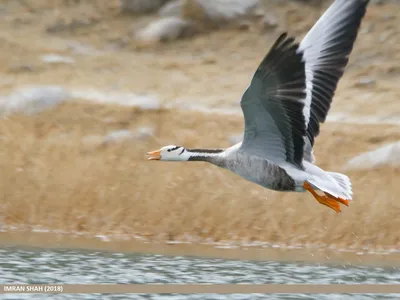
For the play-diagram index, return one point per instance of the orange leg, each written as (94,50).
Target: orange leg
(341,200)
(328,199)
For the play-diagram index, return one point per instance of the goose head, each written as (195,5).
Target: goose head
(169,153)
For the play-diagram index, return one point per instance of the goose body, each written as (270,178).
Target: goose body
(289,96)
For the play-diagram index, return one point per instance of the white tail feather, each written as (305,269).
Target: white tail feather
(341,189)
(336,184)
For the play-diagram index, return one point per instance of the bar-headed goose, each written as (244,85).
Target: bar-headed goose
(289,96)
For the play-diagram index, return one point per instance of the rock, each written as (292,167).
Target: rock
(269,21)
(57,59)
(219,12)
(142,101)
(61,25)
(366,81)
(388,155)
(172,9)
(81,48)
(184,18)
(141,6)
(166,29)
(31,100)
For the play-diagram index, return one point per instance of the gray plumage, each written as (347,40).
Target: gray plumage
(273,106)
(257,169)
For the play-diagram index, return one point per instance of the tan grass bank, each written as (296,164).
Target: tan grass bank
(52,178)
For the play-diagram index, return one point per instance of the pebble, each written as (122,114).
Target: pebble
(33,99)
(165,29)
(140,6)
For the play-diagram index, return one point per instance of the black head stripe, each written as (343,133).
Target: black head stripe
(173,149)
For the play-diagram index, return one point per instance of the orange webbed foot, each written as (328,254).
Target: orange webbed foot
(327,200)
(341,200)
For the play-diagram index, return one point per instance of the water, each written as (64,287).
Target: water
(79,267)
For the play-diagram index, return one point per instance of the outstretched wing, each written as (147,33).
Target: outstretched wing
(273,105)
(326,49)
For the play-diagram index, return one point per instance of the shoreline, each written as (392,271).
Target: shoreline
(50,240)
(75,174)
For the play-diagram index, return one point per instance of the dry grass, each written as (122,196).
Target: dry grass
(51,178)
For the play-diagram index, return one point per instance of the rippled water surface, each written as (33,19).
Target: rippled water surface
(78,267)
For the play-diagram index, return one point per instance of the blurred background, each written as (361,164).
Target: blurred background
(88,87)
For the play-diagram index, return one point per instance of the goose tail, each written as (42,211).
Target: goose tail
(335,184)
(344,183)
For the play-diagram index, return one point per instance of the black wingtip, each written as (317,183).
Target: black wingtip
(283,36)
(280,39)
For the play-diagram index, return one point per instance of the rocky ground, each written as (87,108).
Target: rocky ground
(89,46)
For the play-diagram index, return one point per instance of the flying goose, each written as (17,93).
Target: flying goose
(289,96)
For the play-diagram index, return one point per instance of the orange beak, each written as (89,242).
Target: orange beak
(154,155)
